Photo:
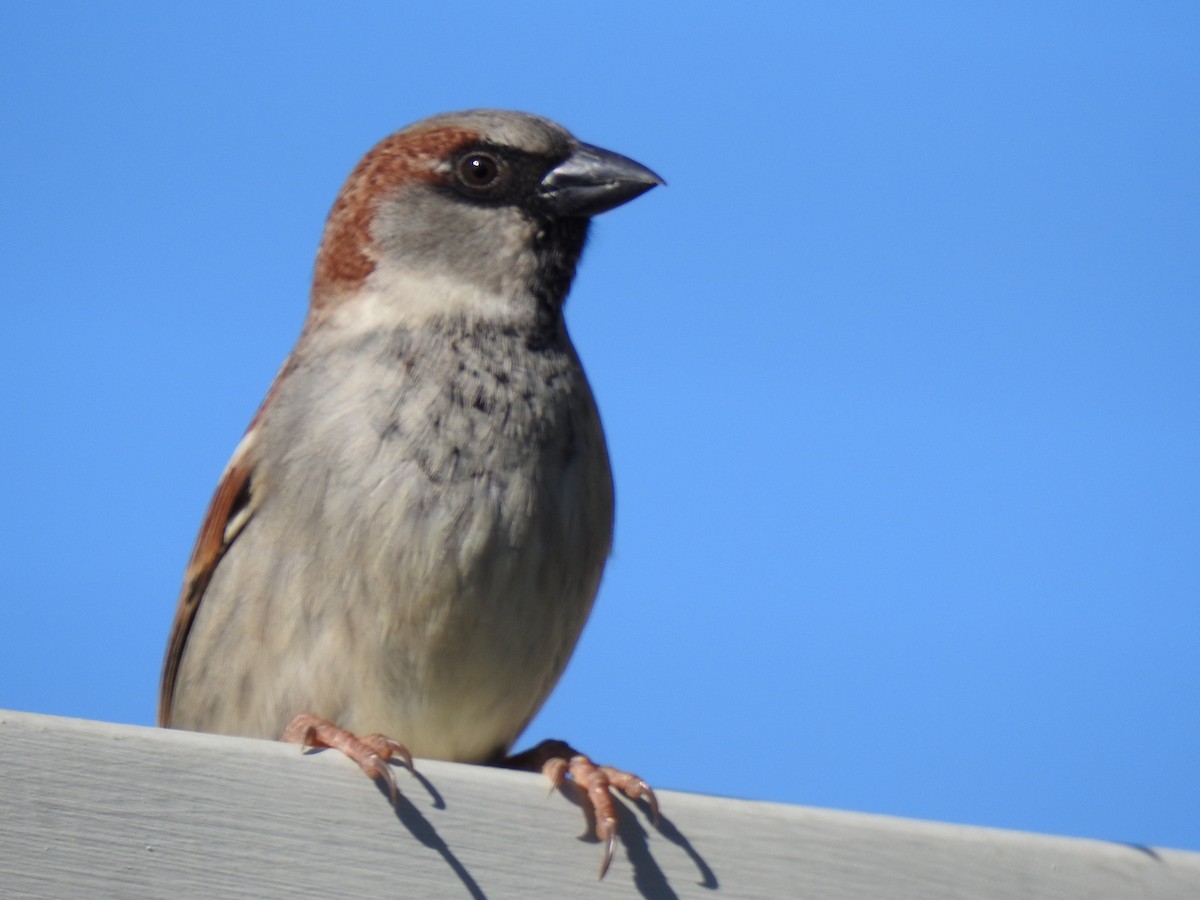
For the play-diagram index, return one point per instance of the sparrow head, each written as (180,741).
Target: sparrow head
(472,212)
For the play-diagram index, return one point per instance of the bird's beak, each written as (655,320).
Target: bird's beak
(591,181)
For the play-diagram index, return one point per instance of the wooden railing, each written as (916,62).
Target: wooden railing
(90,809)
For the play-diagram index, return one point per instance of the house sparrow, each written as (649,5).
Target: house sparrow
(409,537)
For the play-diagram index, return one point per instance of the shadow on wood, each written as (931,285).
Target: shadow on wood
(142,812)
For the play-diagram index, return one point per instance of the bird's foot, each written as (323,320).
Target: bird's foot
(371,751)
(557,760)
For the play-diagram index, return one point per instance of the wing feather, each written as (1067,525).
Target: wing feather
(231,508)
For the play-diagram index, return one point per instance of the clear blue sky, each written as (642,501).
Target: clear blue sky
(901,373)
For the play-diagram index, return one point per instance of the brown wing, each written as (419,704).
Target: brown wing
(230,509)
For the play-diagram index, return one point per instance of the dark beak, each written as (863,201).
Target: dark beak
(591,181)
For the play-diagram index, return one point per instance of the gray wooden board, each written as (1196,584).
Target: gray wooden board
(90,809)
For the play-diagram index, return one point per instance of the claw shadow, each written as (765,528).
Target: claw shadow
(648,876)
(422,829)
(1143,849)
(434,794)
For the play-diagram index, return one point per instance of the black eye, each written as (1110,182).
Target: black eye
(478,170)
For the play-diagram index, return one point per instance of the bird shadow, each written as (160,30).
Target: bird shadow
(648,876)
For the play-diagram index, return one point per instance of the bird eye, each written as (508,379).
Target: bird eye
(478,170)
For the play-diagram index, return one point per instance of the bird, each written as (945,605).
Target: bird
(401,553)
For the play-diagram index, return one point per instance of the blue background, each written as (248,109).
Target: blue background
(900,373)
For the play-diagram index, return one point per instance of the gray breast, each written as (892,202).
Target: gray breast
(440,519)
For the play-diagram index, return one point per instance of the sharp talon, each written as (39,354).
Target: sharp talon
(376,767)
(398,749)
(371,752)
(610,850)
(560,762)
(556,771)
(393,793)
(648,796)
